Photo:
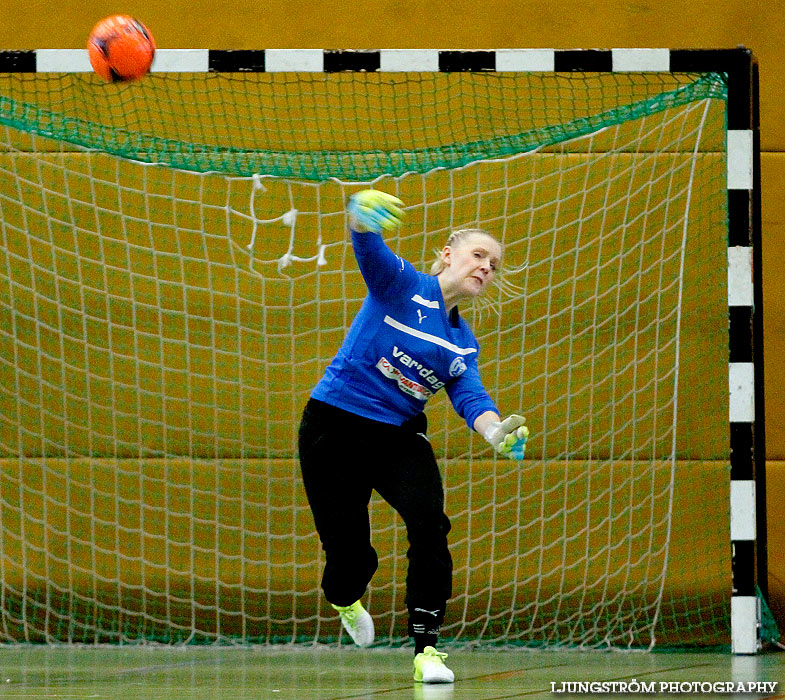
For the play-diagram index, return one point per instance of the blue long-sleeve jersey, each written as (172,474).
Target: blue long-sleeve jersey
(402,346)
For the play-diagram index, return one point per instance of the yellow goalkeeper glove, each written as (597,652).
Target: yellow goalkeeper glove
(509,436)
(374,211)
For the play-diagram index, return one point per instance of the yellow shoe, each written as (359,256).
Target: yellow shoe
(429,667)
(357,622)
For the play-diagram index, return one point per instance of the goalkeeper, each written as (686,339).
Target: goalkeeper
(364,429)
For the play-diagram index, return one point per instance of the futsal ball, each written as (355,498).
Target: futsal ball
(121,48)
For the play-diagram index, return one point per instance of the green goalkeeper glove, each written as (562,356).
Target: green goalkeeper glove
(374,211)
(508,437)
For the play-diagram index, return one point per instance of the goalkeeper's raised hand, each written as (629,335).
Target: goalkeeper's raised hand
(374,211)
(508,437)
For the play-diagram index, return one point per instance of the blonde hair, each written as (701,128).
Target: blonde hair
(505,287)
(456,237)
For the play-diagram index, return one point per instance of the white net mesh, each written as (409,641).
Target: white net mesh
(161,330)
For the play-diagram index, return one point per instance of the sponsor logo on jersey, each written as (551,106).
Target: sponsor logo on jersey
(457,367)
(423,371)
(406,385)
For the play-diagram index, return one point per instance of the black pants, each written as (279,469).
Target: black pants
(344,457)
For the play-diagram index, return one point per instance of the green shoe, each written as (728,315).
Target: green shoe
(429,667)
(357,622)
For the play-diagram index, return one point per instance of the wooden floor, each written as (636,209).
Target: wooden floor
(330,673)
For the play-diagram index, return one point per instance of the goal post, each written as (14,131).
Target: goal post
(175,275)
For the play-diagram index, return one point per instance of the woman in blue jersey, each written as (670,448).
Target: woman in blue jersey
(364,429)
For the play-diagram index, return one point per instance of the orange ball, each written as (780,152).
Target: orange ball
(121,48)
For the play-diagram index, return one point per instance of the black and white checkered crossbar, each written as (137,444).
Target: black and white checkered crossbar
(389,60)
(745,366)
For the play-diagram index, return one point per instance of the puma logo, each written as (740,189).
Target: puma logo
(435,613)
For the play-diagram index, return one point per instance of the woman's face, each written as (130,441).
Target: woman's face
(472,263)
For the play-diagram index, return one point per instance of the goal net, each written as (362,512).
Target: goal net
(175,275)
